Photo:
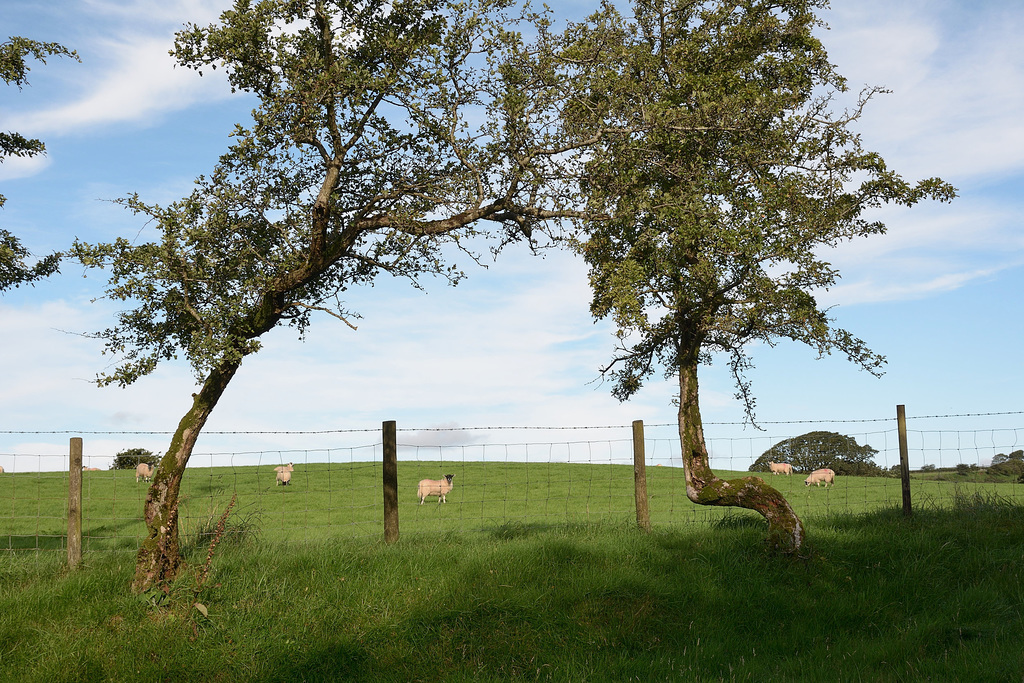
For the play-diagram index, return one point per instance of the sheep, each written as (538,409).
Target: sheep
(285,468)
(780,468)
(435,487)
(283,476)
(1,470)
(90,469)
(818,477)
(145,471)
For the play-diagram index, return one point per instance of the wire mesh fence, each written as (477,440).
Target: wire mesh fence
(336,493)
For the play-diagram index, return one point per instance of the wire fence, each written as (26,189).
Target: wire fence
(498,487)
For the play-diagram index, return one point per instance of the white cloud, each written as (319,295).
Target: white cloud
(956,79)
(126,75)
(159,14)
(141,84)
(23,167)
(927,249)
(870,290)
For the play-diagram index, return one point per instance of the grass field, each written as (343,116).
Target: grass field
(874,597)
(333,501)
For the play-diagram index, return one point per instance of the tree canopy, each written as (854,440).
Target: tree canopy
(385,132)
(726,174)
(130,458)
(14,269)
(815,450)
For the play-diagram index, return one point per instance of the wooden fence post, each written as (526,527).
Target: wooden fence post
(75,504)
(901,425)
(643,511)
(390,447)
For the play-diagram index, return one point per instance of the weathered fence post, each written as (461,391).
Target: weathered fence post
(643,511)
(901,425)
(390,447)
(75,504)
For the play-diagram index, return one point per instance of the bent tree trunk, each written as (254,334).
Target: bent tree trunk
(785,530)
(158,559)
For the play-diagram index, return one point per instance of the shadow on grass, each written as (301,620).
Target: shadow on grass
(935,596)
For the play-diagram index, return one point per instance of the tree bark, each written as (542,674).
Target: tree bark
(785,530)
(159,559)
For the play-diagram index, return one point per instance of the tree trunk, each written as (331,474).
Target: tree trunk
(158,559)
(785,530)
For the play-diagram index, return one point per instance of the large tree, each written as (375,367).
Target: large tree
(814,450)
(385,130)
(14,267)
(728,176)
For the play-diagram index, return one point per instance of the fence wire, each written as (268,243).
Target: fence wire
(498,488)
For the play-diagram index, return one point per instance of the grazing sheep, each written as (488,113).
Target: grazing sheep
(435,487)
(780,468)
(818,477)
(283,477)
(90,469)
(285,468)
(145,471)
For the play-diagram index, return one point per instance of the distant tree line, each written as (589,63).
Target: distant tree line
(1004,467)
(816,450)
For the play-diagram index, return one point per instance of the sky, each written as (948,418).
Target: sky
(514,345)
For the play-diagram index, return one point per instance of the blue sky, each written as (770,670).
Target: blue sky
(939,295)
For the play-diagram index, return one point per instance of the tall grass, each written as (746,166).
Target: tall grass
(876,597)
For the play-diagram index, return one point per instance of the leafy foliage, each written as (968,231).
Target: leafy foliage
(130,459)
(815,450)
(385,133)
(721,175)
(14,271)
(725,175)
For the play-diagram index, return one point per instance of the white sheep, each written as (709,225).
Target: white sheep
(1,470)
(285,468)
(144,471)
(283,477)
(780,468)
(90,469)
(819,477)
(435,487)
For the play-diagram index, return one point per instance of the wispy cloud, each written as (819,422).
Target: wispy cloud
(127,75)
(957,78)
(22,167)
(141,84)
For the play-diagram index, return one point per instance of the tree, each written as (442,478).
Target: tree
(1008,465)
(385,133)
(130,458)
(815,450)
(725,174)
(14,71)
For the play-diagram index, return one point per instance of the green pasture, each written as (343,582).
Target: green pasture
(344,500)
(873,597)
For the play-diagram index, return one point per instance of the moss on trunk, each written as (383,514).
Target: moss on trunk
(785,530)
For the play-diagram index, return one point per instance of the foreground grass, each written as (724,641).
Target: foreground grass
(876,598)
